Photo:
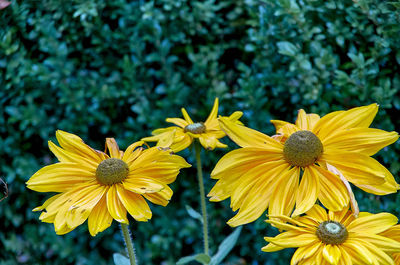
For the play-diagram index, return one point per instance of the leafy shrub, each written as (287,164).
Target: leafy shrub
(119,68)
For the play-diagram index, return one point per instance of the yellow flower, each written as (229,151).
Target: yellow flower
(181,136)
(393,233)
(298,166)
(335,238)
(101,187)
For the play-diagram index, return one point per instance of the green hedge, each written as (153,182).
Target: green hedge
(119,68)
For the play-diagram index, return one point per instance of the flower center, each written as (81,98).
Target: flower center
(331,232)
(111,171)
(196,128)
(302,149)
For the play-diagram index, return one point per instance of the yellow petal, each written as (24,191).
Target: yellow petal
(75,144)
(150,157)
(317,213)
(46,203)
(372,224)
(113,148)
(258,197)
(306,121)
(344,216)
(209,142)
(390,185)
(62,212)
(358,252)
(99,219)
(381,257)
(213,113)
(393,233)
(142,185)
(53,207)
(68,156)
(240,188)
(333,193)
(346,257)
(59,177)
(279,124)
(178,121)
(357,168)
(303,253)
(341,120)
(134,203)
(186,116)
(293,239)
(332,254)
(161,198)
(246,137)
(249,156)
(384,243)
(181,143)
(115,206)
(80,210)
(283,198)
(271,248)
(367,141)
(291,223)
(129,152)
(162,172)
(307,192)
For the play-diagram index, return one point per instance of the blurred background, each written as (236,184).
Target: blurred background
(119,68)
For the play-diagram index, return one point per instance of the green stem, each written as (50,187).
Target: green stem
(129,243)
(202,196)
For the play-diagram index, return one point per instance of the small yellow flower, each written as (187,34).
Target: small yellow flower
(181,136)
(101,187)
(393,233)
(301,164)
(335,238)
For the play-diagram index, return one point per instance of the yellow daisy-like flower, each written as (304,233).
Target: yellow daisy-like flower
(335,238)
(181,136)
(393,233)
(101,187)
(302,163)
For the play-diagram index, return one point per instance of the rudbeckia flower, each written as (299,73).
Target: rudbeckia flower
(335,238)
(393,233)
(181,136)
(102,186)
(302,163)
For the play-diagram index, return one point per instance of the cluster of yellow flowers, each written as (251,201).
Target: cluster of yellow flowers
(313,160)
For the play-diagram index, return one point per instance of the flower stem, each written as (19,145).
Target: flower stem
(129,243)
(202,197)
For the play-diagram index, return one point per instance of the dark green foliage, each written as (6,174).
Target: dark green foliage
(119,68)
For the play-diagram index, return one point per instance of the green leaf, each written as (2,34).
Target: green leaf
(287,48)
(202,258)
(225,247)
(120,259)
(193,213)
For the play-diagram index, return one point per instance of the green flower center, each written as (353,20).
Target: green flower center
(111,171)
(331,232)
(196,128)
(302,149)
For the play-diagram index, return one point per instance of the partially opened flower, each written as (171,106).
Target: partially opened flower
(101,186)
(302,163)
(181,136)
(393,233)
(335,238)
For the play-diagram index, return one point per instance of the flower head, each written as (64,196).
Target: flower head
(335,238)
(304,162)
(181,136)
(102,186)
